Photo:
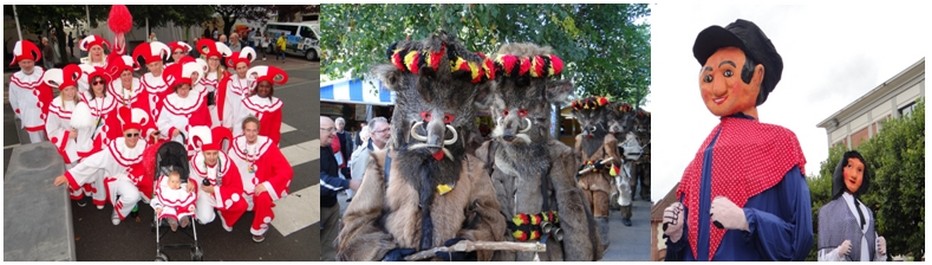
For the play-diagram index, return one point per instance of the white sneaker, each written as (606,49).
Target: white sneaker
(115,218)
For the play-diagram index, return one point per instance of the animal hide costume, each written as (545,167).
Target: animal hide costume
(533,174)
(427,190)
(593,146)
(621,125)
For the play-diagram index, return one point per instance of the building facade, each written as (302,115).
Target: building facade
(863,118)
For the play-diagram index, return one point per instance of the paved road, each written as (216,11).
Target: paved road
(97,239)
(630,243)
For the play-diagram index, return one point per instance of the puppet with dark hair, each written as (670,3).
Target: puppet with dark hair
(533,173)
(846,225)
(427,190)
(744,195)
(597,151)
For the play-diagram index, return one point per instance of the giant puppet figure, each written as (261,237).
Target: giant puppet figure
(426,190)
(598,153)
(533,174)
(846,226)
(744,196)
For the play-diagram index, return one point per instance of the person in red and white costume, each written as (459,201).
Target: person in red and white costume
(58,123)
(29,97)
(120,163)
(97,121)
(266,175)
(154,53)
(179,49)
(94,46)
(213,52)
(102,111)
(234,88)
(263,105)
(225,190)
(182,108)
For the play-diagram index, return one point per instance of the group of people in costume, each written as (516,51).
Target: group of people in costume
(107,115)
(437,185)
(744,196)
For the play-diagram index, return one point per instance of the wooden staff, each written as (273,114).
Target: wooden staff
(469,246)
(592,167)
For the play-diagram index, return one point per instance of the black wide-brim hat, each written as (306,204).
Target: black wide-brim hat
(746,36)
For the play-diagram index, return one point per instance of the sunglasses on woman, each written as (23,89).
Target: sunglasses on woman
(131,135)
(98,82)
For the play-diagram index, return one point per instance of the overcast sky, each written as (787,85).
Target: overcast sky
(832,55)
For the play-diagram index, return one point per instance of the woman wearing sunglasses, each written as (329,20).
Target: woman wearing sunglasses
(179,49)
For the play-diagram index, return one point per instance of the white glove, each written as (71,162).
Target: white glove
(673,221)
(728,215)
(843,249)
(881,245)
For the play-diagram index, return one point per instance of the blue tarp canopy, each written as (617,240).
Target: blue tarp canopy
(356,91)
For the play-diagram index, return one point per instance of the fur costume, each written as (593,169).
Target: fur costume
(595,144)
(533,174)
(434,189)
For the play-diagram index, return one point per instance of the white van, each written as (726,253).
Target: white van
(302,37)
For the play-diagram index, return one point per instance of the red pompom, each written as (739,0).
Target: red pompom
(120,20)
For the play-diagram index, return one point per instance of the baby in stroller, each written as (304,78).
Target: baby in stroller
(173,201)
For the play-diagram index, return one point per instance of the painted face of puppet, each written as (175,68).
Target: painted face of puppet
(721,86)
(853,174)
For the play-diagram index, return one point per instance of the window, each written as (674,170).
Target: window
(908,109)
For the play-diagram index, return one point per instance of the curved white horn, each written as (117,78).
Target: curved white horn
(254,72)
(224,49)
(163,50)
(414,132)
(528,128)
(249,53)
(53,77)
(455,136)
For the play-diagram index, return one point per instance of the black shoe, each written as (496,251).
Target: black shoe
(626,221)
(81,203)
(258,239)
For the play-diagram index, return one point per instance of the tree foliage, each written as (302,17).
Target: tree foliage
(606,47)
(896,155)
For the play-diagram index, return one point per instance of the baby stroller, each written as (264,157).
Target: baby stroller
(173,156)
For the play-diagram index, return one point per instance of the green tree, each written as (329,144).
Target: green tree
(606,47)
(42,19)
(896,155)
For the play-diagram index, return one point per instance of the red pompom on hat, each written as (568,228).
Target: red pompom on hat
(272,74)
(247,55)
(175,45)
(25,50)
(210,48)
(120,20)
(93,40)
(62,78)
(152,52)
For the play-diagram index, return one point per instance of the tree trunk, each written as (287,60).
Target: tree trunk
(227,25)
(62,43)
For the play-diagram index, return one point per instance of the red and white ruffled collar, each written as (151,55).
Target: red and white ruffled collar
(124,155)
(61,111)
(201,168)
(99,106)
(258,104)
(251,153)
(154,84)
(183,106)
